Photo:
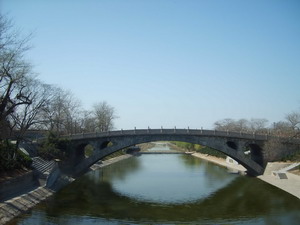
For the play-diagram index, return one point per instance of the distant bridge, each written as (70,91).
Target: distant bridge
(245,148)
(163,152)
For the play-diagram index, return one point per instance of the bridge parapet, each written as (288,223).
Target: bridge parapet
(197,132)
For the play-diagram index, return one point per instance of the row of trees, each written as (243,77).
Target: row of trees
(28,103)
(289,127)
(274,149)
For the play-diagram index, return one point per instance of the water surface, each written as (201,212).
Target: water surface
(166,189)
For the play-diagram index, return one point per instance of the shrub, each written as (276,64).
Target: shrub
(11,158)
(212,152)
(54,147)
(24,159)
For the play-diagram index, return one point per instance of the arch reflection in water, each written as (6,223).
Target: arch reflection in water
(165,179)
(98,197)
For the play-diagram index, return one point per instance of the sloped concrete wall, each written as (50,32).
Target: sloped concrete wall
(18,185)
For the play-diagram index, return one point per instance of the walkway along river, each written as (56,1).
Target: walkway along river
(165,189)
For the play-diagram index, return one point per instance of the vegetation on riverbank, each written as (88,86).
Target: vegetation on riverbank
(115,154)
(29,104)
(11,157)
(55,147)
(295,157)
(146,146)
(199,148)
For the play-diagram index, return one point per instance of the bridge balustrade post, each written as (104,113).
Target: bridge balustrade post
(121,131)
(214,131)
(148,129)
(175,129)
(161,129)
(134,130)
(188,130)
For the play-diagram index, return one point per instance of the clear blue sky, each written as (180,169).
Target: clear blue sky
(169,62)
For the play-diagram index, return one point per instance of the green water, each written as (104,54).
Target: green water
(166,189)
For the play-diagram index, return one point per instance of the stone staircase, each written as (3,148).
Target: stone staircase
(42,167)
(292,166)
(281,174)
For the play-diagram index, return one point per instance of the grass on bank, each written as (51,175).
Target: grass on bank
(199,148)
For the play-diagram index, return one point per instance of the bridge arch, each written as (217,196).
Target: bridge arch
(234,148)
(79,155)
(256,153)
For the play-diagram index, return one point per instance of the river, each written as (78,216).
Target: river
(165,189)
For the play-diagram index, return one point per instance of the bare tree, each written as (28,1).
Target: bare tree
(241,125)
(294,120)
(72,112)
(104,116)
(30,115)
(87,123)
(14,71)
(258,124)
(273,150)
(62,114)
(225,125)
(282,128)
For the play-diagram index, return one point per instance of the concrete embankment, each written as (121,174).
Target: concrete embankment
(102,164)
(291,184)
(18,205)
(24,188)
(18,185)
(14,207)
(221,162)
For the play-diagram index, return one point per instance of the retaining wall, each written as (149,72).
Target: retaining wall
(17,186)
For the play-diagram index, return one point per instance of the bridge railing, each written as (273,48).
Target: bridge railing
(174,131)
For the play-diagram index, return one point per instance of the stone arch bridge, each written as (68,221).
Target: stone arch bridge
(245,148)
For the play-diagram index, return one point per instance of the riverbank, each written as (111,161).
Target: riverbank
(290,185)
(20,204)
(15,206)
(102,164)
(221,162)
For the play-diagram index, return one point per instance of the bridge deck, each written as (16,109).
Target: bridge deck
(192,132)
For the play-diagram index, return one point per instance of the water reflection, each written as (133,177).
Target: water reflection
(164,179)
(98,197)
(215,172)
(160,146)
(243,198)
(114,172)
